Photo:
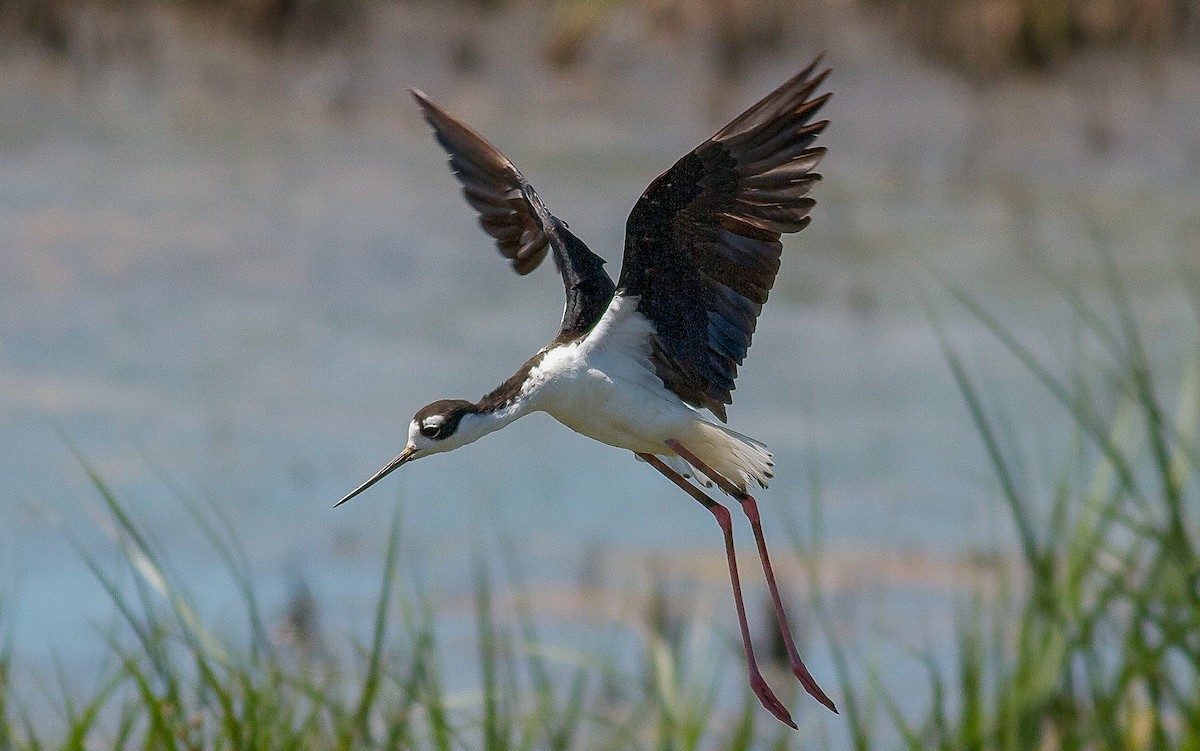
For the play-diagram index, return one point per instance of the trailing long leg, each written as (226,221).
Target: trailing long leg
(757,682)
(750,507)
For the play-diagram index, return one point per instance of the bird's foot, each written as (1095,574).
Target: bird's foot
(810,685)
(768,699)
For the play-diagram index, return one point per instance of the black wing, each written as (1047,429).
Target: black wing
(702,244)
(511,212)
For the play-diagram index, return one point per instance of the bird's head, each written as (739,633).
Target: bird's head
(441,426)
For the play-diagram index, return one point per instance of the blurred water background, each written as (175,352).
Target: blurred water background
(232,269)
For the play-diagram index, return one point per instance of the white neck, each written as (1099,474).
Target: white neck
(476,425)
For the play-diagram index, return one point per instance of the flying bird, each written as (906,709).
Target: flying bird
(637,364)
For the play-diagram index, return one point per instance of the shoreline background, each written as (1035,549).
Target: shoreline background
(239,256)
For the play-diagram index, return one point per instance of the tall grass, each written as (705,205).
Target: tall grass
(1093,644)
(1097,645)
(175,683)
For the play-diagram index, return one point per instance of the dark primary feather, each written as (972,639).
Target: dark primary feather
(702,243)
(511,212)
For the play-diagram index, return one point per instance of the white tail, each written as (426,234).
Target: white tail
(737,458)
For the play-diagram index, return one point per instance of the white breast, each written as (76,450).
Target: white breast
(604,385)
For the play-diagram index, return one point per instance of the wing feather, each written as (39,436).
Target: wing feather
(524,229)
(702,244)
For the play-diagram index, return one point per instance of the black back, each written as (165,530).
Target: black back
(702,243)
(511,212)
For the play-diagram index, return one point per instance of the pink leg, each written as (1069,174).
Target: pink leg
(757,683)
(750,507)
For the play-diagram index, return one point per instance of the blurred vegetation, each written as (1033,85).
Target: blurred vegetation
(172,682)
(980,38)
(738,31)
(1097,646)
(986,37)
(56,25)
(1093,643)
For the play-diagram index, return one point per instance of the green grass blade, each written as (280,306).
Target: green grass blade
(1019,506)
(371,683)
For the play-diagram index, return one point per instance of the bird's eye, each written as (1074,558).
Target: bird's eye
(431,427)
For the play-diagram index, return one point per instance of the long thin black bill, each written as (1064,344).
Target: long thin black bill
(402,458)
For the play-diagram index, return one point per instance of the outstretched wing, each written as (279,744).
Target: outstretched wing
(511,212)
(702,244)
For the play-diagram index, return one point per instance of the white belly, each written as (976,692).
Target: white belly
(604,386)
(608,416)
(621,406)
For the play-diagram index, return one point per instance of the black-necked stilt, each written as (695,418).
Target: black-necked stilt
(634,363)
